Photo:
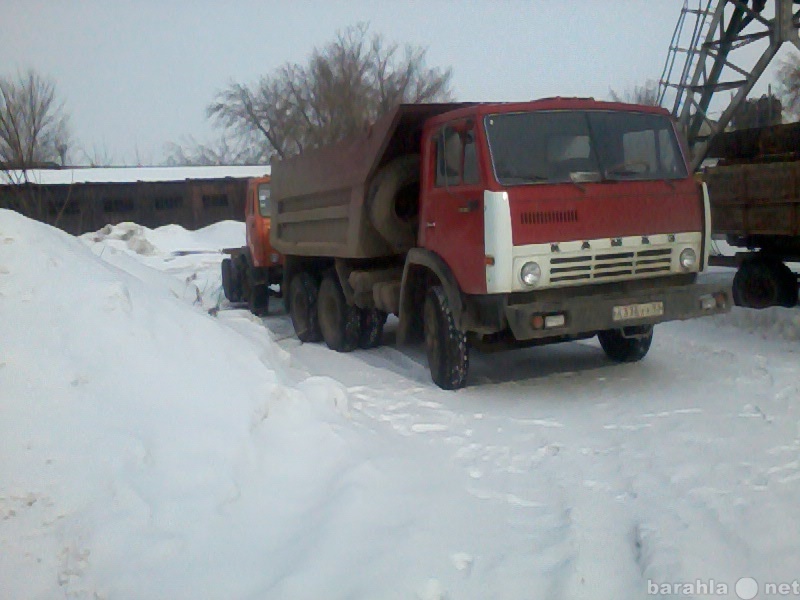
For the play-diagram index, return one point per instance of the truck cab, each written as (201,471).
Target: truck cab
(579,191)
(252,272)
(258,222)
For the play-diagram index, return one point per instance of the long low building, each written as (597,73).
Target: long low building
(86,199)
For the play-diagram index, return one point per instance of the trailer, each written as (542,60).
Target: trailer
(755,203)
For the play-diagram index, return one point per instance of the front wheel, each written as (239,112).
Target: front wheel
(228,281)
(445,345)
(630,344)
(258,299)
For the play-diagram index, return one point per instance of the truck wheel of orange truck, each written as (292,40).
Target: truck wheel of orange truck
(339,322)
(227,280)
(303,293)
(628,345)
(445,345)
(371,331)
(258,300)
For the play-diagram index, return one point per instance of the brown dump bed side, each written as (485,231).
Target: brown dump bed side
(318,196)
(755,199)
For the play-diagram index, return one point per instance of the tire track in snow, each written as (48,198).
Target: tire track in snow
(623,482)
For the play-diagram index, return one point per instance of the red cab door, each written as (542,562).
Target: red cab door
(452,217)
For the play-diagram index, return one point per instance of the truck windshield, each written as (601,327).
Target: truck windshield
(263,200)
(562,146)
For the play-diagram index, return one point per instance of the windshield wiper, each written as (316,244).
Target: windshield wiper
(512,179)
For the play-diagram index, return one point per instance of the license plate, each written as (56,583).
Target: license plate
(627,312)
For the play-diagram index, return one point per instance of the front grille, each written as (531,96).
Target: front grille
(608,265)
(549,217)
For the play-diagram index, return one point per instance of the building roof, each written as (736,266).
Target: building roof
(132,174)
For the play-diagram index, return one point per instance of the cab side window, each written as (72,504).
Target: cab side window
(264,200)
(456,157)
(470,174)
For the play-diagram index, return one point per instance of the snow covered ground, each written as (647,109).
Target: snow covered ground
(151,450)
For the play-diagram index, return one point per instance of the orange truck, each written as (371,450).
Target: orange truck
(253,272)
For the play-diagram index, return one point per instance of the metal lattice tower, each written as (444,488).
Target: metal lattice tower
(708,43)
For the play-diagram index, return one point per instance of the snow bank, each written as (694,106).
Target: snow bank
(171,257)
(145,454)
(170,238)
(153,451)
(774,322)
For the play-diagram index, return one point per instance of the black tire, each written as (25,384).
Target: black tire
(240,282)
(393,202)
(371,328)
(620,348)
(227,280)
(339,322)
(258,300)
(304,291)
(762,282)
(445,345)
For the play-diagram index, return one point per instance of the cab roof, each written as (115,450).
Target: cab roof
(554,103)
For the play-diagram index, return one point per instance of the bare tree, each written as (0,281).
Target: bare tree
(34,132)
(345,86)
(228,149)
(33,125)
(646,94)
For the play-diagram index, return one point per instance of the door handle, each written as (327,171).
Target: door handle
(430,224)
(470,206)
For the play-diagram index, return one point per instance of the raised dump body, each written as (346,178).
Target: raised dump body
(320,198)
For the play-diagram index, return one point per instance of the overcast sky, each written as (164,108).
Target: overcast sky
(136,75)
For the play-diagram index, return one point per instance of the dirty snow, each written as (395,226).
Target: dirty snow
(151,450)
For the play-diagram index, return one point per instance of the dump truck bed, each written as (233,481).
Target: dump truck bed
(755,199)
(755,190)
(318,197)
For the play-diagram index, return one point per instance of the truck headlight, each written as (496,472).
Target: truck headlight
(530,273)
(688,258)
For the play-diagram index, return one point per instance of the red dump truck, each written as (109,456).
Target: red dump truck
(495,226)
(253,272)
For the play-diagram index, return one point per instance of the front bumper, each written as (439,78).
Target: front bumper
(586,313)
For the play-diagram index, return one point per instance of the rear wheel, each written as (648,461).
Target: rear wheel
(339,322)
(303,292)
(371,330)
(626,345)
(445,345)
(762,282)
